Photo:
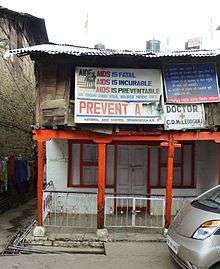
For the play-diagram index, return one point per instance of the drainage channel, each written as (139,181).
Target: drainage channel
(17,245)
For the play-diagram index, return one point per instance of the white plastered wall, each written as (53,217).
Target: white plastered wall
(56,163)
(57,171)
(206,169)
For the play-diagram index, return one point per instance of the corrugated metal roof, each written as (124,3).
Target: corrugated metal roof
(192,53)
(86,51)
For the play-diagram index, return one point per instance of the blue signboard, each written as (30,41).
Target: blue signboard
(191,83)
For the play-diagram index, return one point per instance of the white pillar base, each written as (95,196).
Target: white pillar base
(102,234)
(165,232)
(39,231)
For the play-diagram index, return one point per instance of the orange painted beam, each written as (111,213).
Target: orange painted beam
(40,178)
(44,135)
(196,136)
(101,185)
(140,138)
(169,181)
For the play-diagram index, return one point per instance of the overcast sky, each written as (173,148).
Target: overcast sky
(125,24)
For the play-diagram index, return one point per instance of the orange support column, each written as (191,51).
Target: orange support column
(40,178)
(218,164)
(101,185)
(169,181)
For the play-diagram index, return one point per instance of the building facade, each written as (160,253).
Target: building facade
(133,132)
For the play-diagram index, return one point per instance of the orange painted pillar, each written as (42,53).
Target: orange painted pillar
(101,185)
(40,178)
(218,164)
(169,181)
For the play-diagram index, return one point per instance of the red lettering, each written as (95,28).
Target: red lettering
(89,108)
(82,105)
(103,89)
(102,73)
(102,81)
(104,107)
(111,109)
(98,81)
(97,108)
(125,108)
(118,109)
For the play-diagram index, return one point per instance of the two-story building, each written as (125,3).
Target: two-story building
(128,135)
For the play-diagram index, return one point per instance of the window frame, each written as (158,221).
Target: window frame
(70,181)
(192,185)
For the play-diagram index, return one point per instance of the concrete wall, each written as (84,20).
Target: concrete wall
(206,165)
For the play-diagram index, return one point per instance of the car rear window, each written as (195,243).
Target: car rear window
(209,201)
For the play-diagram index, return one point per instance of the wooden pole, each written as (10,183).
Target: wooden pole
(40,179)
(169,181)
(101,185)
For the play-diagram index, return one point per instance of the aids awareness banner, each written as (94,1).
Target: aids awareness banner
(109,95)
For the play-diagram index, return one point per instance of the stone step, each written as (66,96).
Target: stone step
(70,250)
(68,244)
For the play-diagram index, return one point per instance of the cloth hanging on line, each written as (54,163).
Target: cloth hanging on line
(11,168)
(3,175)
(21,170)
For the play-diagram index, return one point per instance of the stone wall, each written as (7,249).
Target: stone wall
(17,95)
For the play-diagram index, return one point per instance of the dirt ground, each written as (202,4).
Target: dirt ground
(124,255)
(14,219)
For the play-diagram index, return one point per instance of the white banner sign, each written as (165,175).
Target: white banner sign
(107,95)
(179,117)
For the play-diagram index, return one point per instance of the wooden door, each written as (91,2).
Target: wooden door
(138,167)
(131,169)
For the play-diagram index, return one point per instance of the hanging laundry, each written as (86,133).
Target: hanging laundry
(3,176)
(5,173)
(21,175)
(11,168)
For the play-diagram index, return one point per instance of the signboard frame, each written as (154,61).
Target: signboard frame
(189,116)
(149,112)
(168,101)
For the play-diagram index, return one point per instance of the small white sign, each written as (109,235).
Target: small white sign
(195,42)
(180,117)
